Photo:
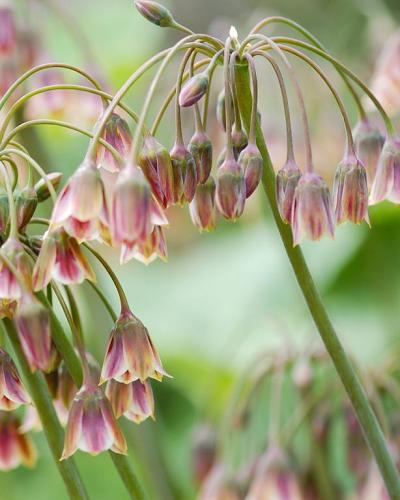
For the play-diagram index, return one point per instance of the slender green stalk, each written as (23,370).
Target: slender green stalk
(51,426)
(368,421)
(128,476)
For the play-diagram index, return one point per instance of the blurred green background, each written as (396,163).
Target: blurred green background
(223,297)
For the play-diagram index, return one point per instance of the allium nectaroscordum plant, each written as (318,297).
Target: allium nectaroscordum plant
(129,215)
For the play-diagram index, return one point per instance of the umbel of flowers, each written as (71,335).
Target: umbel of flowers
(129,214)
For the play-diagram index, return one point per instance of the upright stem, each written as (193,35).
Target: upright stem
(368,421)
(51,426)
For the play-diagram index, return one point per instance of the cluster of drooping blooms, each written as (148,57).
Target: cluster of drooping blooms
(306,407)
(119,196)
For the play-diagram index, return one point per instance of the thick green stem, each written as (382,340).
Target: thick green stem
(368,421)
(51,426)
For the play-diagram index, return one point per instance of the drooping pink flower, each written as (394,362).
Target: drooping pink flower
(33,324)
(202,207)
(116,133)
(147,252)
(135,401)
(251,161)
(81,206)
(200,146)
(368,141)
(184,172)
(8,31)
(60,258)
(16,448)
(131,354)
(386,185)
(12,392)
(312,213)
(91,425)
(219,486)
(287,179)
(231,189)
(10,288)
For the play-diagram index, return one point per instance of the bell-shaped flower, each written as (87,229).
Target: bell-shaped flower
(202,208)
(81,205)
(386,185)
(251,161)
(200,147)
(135,401)
(287,179)
(184,173)
(116,133)
(10,287)
(146,252)
(350,192)
(131,354)
(231,189)
(312,214)
(16,448)
(12,392)
(32,320)
(91,425)
(368,141)
(60,258)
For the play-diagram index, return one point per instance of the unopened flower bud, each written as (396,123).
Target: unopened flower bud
(387,179)
(312,214)
(287,179)
(116,132)
(369,142)
(350,192)
(231,189)
(239,141)
(131,354)
(12,392)
(91,425)
(202,207)
(135,401)
(155,13)
(42,189)
(155,162)
(4,210)
(16,448)
(25,205)
(194,89)
(185,174)
(251,161)
(201,149)
(10,288)
(32,320)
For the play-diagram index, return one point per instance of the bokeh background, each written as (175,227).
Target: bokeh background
(227,296)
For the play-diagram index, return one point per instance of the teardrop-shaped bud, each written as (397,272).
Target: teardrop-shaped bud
(185,174)
(194,89)
(116,132)
(155,13)
(239,141)
(26,202)
(287,179)
(231,189)
(201,149)
(386,185)
(312,214)
(155,162)
(251,161)
(42,189)
(350,192)
(202,207)
(368,141)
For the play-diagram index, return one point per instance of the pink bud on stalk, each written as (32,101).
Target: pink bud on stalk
(239,141)
(350,192)
(10,288)
(42,189)
(287,179)
(81,204)
(33,324)
(156,164)
(185,174)
(135,401)
(194,89)
(131,354)
(25,204)
(231,189)
(202,207)
(91,425)
(251,161)
(200,147)
(116,132)
(369,142)
(12,392)
(312,214)
(387,180)
(16,448)
(60,258)
(155,13)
